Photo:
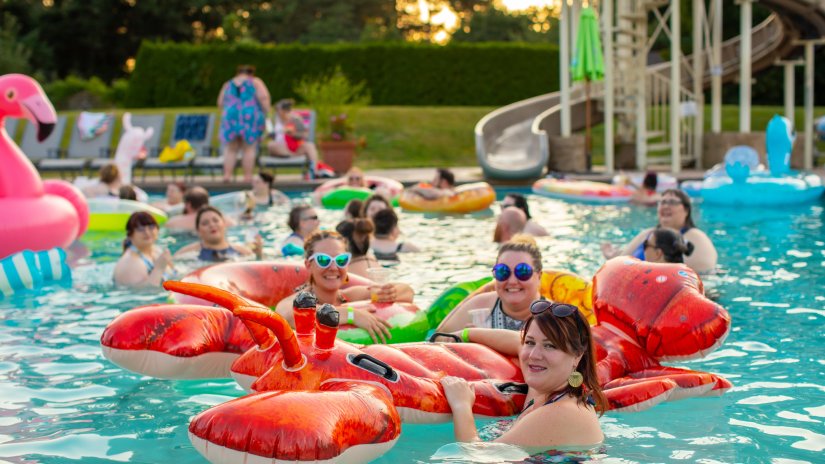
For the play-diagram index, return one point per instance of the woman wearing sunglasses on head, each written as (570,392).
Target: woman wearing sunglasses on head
(557,358)
(213,245)
(674,212)
(143,263)
(517,280)
(327,260)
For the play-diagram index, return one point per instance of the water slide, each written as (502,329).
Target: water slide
(512,141)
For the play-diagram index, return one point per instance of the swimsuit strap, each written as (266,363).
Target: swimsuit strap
(550,401)
(149,264)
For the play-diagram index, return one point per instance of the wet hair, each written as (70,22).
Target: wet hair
(447,175)
(294,220)
(373,198)
(686,203)
(523,243)
(137,219)
(204,210)
(196,197)
(354,208)
(127,192)
(385,222)
(673,245)
(357,232)
(520,202)
(109,173)
(285,104)
(572,335)
(247,69)
(650,181)
(267,178)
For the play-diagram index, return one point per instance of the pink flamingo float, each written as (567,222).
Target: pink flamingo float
(37,214)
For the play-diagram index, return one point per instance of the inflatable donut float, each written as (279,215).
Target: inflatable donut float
(466,199)
(335,193)
(582,190)
(112,214)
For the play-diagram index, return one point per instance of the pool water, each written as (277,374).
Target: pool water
(61,401)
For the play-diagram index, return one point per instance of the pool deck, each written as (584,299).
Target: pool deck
(292,181)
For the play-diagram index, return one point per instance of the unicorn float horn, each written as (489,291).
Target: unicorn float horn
(326,327)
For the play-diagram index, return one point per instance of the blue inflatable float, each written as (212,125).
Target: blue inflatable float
(743,182)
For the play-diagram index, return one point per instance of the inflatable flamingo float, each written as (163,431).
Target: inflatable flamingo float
(37,215)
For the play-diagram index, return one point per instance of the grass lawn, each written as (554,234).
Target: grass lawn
(402,137)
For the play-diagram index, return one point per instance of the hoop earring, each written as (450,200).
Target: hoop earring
(575,379)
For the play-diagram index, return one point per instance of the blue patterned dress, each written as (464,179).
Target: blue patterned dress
(242,115)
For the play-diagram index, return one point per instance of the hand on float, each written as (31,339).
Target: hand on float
(385,293)
(379,329)
(459,393)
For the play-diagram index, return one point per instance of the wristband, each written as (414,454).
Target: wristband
(350,315)
(465,335)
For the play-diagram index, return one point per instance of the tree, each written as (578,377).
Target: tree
(14,56)
(494,25)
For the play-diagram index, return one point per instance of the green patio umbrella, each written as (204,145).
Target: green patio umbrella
(588,60)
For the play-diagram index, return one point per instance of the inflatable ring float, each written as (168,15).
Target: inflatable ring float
(28,270)
(466,199)
(112,214)
(582,190)
(335,193)
(228,203)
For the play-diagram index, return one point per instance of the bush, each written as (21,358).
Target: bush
(76,93)
(486,74)
(336,102)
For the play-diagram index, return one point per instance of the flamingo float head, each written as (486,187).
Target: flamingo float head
(22,97)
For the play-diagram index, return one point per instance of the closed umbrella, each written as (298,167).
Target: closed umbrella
(588,60)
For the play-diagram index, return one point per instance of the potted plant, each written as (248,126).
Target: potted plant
(336,102)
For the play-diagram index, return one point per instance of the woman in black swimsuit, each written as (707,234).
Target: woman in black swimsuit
(213,245)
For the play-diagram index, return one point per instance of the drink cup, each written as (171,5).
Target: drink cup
(379,275)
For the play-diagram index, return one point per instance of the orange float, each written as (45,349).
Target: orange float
(466,199)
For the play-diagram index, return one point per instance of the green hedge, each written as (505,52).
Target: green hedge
(491,74)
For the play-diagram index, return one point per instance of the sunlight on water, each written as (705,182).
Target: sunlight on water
(61,401)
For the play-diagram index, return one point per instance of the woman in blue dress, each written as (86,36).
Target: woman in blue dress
(244,102)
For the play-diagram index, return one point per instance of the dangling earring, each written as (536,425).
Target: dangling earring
(575,379)
(346,279)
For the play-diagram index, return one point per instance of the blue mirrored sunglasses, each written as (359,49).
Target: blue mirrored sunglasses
(324,260)
(522,271)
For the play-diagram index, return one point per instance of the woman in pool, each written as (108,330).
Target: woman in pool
(666,246)
(174,196)
(357,233)
(517,280)
(557,358)
(518,200)
(327,261)
(373,204)
(303,220)
(674,212)
(356,179)
(143,263)
(263,193)
(213,245)
(645,194)
(385,244)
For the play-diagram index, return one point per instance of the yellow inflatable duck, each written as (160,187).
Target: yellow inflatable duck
(182,151)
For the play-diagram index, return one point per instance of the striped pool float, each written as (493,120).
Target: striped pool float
(29,270)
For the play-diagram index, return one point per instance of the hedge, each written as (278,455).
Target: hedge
(489,74)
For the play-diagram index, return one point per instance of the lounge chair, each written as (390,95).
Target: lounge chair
(11,127)
(81,151)
(43,154)
(197,129)
(265,160)
(155,121)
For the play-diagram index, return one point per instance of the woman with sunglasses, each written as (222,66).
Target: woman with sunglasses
(517,280)
(674,212)
(303,220)
(213,245)
(143,263)
(327,260)
(557,358)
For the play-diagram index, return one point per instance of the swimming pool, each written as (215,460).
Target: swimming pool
(61,401)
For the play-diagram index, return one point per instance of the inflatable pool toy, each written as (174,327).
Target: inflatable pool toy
(556,285)
(112,214)
(335,194)
(130,148)
(37,215)
(182,151)
(663,181)
(742,182)
(28,270)
(228,203)
(582,190)
(466,199)
(396,383)
(203,341)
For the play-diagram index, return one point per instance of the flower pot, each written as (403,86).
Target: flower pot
(338,155)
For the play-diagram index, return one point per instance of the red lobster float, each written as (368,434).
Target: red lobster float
(647,313)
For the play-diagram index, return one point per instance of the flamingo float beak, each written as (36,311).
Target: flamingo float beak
(40,111)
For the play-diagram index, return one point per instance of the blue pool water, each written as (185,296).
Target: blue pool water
(61,401)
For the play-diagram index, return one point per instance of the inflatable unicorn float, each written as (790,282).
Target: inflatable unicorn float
(340,402)
(37,215)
